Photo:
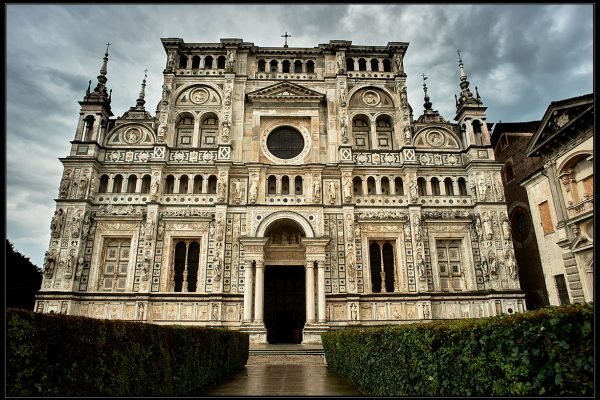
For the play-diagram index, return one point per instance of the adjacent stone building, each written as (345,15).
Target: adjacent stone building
(561,196)
(510,140)
(281,191)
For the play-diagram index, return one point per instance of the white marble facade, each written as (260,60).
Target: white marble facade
(262,158)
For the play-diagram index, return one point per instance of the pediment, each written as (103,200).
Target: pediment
(559,116)
(285,91)
(436,138)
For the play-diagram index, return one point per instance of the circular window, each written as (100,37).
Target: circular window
(520,224)
(285,142)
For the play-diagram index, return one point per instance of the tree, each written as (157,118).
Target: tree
(23,279)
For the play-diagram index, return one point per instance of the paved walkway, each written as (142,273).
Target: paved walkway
(284,375)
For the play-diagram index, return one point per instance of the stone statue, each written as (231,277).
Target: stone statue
(357,230)
(154,186)
(353,312)
(171,59)
(217,268)
(498,188)
(227,96)
(64,185)
(76,225)
(332,191)
(211,228)
(57,222)
(83,185)
(349,228)
(79,267)
(473,187)
(482,188)
(253,189)
(316,189)
(219,229)
(230,60)
(417,228)
(407,230)
(511,264)
(342,95)
(70,263)
(403,97)
(341,63)
(487,226)
(347,190)
(344,130)
(398,63)
(484,267)
(407,134)
(49,263)
(478,229)
(413,190)
(237,191)
(140,311)
(492,262)
(505,227)
(421,266)
(221,190)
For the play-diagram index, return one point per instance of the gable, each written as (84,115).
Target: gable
(285,91)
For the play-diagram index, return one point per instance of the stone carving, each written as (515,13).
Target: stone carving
(482,187)
(70,266)
(403,97)
(407,134)
(83,185)
(349,227)
(253,189)
(492,263)
(332,189)
(413,190)
(418,228)
(76,224)
(64,185)
(161,229)
(384,214)
(221,188)
(316,189)
(171,59)
(186,212)
(498,187)
(219,230)
(49,262)
(344,129)
(342,94)
(237,191)
(484,268)
(477,227)
(399,64)
(347,189)
(407,230)
(487,226)
(421,267)
(228,96)
(511,264)
(140,311)
(357,230)
(505,227)
(79,269)
(215,311)
(57,222)
(353,312)
(447,214)
(154,186)
(109,209)
(341,63)
(230,60)
(425,311)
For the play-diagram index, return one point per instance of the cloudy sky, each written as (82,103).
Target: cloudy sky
(521,57)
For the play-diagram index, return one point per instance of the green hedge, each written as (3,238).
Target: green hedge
(543,352)
(58,355)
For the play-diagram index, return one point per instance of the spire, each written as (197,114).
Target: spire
(465,96)
(102,77)
(427,103)
(140,101)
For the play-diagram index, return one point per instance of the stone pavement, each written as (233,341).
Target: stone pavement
(284,375)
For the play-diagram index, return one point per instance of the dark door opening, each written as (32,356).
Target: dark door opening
(285,305)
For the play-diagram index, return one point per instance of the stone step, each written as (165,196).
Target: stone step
(276,350)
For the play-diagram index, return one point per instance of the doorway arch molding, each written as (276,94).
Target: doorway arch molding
(281,215)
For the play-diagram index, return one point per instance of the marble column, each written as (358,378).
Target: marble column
(259,292)
(248,292)
(321,290)
(310,292)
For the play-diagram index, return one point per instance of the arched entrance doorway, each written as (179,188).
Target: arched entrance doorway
(285,285)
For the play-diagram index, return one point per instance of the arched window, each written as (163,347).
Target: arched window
(385,186)
(387,66)
(117,184)
(399,186)
(88,129)
(374,64)
(131,183)
(375,267)
(286,66)
(388,266)
(285,185)
(183,184)
(370,185)
(274,66)
(103,184)
(421,186)
(183,61)
(298,184)
(360,132)
(462,187)
(212,184)
(220,62)
(208,62)
(198,184)
(477,132)
(179,266)
(146,181)
(261,65)
(195,62)
(297,66)
(272,185)
(435,186)
(185,131)
(362,64)
(509,175)
(357,186)
(449,187)
(384,130)
(169,184)
(208,131)
(310,67)
(350,64)
(193,257)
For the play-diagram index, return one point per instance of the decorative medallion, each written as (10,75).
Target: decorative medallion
(132,135)
(371,98)
(435,139)
(199,96)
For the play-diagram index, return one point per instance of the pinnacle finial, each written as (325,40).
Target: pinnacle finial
(103,70)
(427,103)
(463,74)
(140,101)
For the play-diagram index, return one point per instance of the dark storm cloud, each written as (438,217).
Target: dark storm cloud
(521,57)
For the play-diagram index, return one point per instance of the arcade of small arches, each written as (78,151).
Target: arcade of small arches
(430,186)
(286,66)
(374,64)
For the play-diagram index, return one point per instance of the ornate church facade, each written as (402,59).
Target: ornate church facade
(282,192)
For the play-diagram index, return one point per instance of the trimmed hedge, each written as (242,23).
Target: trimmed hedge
(59,355)
(548,351)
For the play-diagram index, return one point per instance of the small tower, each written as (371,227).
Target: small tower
(470,113)
(95,108)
